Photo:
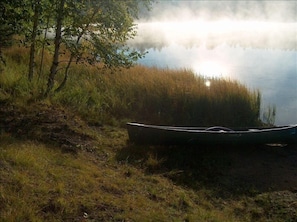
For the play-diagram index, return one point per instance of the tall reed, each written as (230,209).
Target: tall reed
(150,95)
(159,96)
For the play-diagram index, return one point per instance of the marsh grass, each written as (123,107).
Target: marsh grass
(150,95)
(180,97)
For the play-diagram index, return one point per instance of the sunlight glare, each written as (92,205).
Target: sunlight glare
(211,69)
(207,83)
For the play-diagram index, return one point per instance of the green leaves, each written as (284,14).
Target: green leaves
(90,31)
(100,29)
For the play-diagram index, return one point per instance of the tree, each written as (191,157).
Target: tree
(60,10)
(15,20)
(90,30)
(37,10)
(38,23)
(94,31)
(8,24)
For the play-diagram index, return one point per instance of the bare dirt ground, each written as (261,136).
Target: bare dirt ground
(267,168)
(46,124)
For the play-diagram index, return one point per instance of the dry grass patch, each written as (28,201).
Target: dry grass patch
(39,183)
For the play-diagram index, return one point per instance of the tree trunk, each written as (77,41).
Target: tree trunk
(43,47)
(62,85)
(1,58)
(1,61)
(57,42)
(33,39)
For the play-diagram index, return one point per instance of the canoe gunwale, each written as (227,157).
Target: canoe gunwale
(207,129)
(158,134)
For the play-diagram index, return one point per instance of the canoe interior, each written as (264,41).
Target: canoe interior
(176,135)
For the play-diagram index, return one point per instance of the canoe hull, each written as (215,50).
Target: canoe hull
(166,135)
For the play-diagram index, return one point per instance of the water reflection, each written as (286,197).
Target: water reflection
(274,72)
(207,83)
(254,42)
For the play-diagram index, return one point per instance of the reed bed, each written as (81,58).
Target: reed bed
(160,96)
(149,95)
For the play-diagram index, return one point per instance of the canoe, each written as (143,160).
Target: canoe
(174,135)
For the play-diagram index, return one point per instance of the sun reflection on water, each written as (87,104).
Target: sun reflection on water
(211,69)
(207,83)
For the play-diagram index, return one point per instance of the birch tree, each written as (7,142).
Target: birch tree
(94,31)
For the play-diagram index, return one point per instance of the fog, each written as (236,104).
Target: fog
(256,24)
(195,33)
(212,10)
(250,41)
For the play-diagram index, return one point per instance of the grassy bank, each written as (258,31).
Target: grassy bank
(42,184)
(64,158)
(111,180)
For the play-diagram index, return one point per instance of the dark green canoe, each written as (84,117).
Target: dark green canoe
(170,135)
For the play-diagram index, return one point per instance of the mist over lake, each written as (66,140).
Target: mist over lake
(254,42)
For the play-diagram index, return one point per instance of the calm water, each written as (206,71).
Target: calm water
(260,55)
(273,72)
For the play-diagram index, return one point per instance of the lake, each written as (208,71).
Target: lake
(273,72)
(261,54)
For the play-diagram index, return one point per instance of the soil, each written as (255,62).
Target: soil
(44,123)
(268,168)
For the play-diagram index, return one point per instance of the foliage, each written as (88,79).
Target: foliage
(8,24)
(90,31)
